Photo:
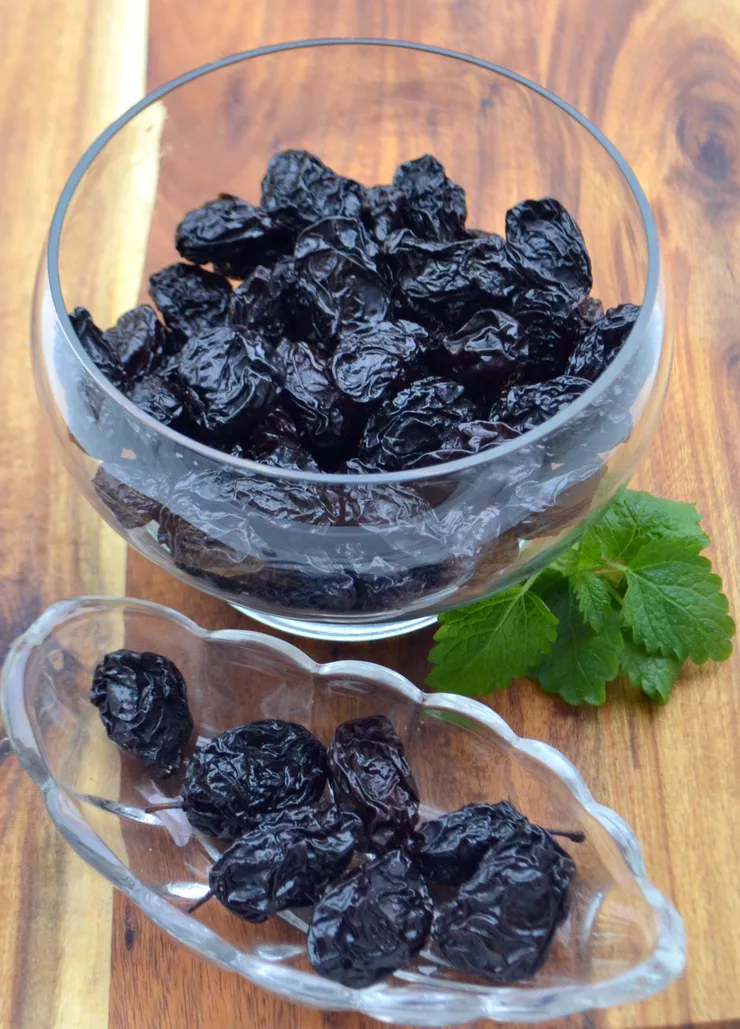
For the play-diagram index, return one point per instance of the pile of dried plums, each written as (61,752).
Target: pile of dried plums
(370,329)
(336,828)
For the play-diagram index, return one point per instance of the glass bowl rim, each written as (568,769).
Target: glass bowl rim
(443,469)
(513,1003)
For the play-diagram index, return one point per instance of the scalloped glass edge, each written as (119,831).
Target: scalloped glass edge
(436,1007)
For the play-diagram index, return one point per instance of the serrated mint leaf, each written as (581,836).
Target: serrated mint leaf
(581,661)
(593,597)
(674,605)
(635,518)
(652,673)
(483,647)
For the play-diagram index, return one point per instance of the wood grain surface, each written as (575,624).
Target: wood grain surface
(662,79)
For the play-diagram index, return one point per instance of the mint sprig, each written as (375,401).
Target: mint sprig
(633,597)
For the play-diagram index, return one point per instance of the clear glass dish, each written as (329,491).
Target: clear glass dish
(622,940)
(388,552)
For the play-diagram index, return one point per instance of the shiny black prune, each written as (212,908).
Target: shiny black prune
(414,423)
(435,207)
(190,299)
(299,189)
(143,704)
(272,301)
(503,920)
(231,377)
(381,587)
(449,849)
(549,321)
(525,407)
(96,346)
(275,441)
(383,210)
(340,287)
(545,506)
(602,342)
(131,505)
(371,777)
(232,235)
(246,772)
(371,364)
(372,922)
(163,399)
(487,354)
(324,416)
(547,244)
(139,340)
(314,584)
(286,861)
(445,284)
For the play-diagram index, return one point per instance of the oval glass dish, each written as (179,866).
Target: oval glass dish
(622,940)
(335,556)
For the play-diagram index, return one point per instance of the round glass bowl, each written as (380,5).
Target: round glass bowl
(332,556)
(622,940)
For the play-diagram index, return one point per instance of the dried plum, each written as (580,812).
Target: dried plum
(545,506)
(339,284)
(160,398)
(286,861)
(299,189)
(487,354)
(371,777)
(232,235)
(246,772)
(525,407)
(549,322)
(371,364)
(370,923)
(131,505)
(314,584)
(602,342)
(435,207)
(143,704)
(231,377)
(416,422)
(382,210)
(547,244)
(138,339)
(449,849)
(96,346)
(191,300)
(503,920)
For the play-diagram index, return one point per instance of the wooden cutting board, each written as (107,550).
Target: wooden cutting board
(662,79)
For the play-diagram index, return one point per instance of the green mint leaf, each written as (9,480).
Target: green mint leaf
(484,646)
(674,605)
(593,596)
(636,518)
(652,673)
(581,661)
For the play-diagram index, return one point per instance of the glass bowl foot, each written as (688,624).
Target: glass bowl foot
(337,632)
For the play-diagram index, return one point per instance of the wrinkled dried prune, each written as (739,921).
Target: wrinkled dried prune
(382,210)
(286,861)
(502,923)
(315,584)
(445,284)
(547,244)
(142,702)
(370,923)
(414,423)
(435,206)
(160,398)
(191,300)
(602,342)
(487,354)
(371,364)
(339,284)
(370,776)
(131,506)
(542,507)
(549,321)
(324,416)
(298,189)
(96,346)
(246,772)
(449,849)
(232,235)
(138,339)
(275,441)
(231,377)
(525,407)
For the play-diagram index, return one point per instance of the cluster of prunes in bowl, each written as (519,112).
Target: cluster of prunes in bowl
(335,828)
(350,329)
